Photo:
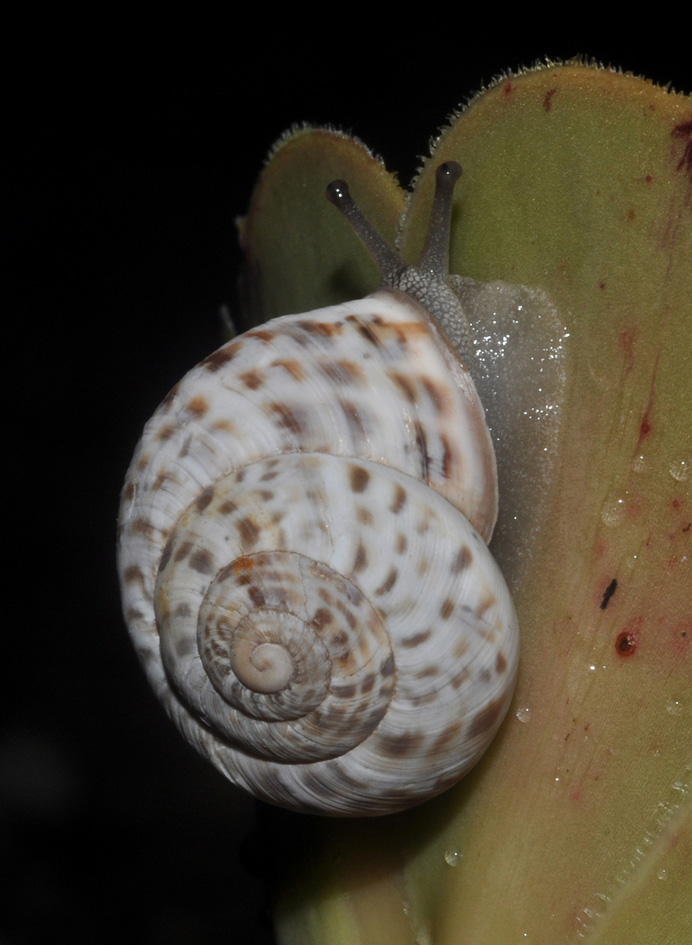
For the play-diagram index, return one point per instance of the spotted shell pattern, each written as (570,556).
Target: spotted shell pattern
(303,561)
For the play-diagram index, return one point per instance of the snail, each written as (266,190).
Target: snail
(303,548)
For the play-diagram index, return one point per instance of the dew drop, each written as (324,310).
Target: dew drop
(524,714)
(680,471)
(613,512)
(452,857)
(662,874)
(673,707)
(638,464)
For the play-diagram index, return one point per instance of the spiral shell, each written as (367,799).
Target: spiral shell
(303,560)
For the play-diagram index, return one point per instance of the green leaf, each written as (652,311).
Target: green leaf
(577,824)
(296,258)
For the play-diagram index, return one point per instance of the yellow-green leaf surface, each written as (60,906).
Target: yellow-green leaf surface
(577,824)
(296,259)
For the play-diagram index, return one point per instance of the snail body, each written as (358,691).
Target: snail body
(303,554)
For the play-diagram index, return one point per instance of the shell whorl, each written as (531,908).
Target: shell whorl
(303,560)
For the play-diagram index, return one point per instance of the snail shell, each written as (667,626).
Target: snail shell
(303,557)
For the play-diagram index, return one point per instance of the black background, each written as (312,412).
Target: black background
(132,147)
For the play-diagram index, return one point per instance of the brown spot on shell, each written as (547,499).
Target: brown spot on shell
(251,379)
(487,719)
(244,563)
(162,478)
(361,558)
(500,664)
(448,464)
(405,386)
(447,608)
(263,334)
(228,507)
(322,618)
(437,394)
(388,667)
(422,447)
(204,499)
(461,677)
(427,672)
(292,366)
(462,560)
(169,399)
(485,605)
(183,610)
(224,425)
(218,359)
(365,330)
(183,551)
(256,595)
(364,515)
(342,372)
(400,746)
(143,526)
(202,561)
(399,499)
(134,575)
(248,532)
(323,329)
(353,418)
(287,418)
(359,478)
(343,692)
(416,639)
(198,406)
(401,543)
(388,582)
(349,616)
(444,739)
(166,432)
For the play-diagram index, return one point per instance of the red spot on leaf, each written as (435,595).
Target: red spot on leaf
(627,643)
(645,425)
(644,428)
(548,100)
(683,132)
(507,89)
(648,178)
(626,342)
